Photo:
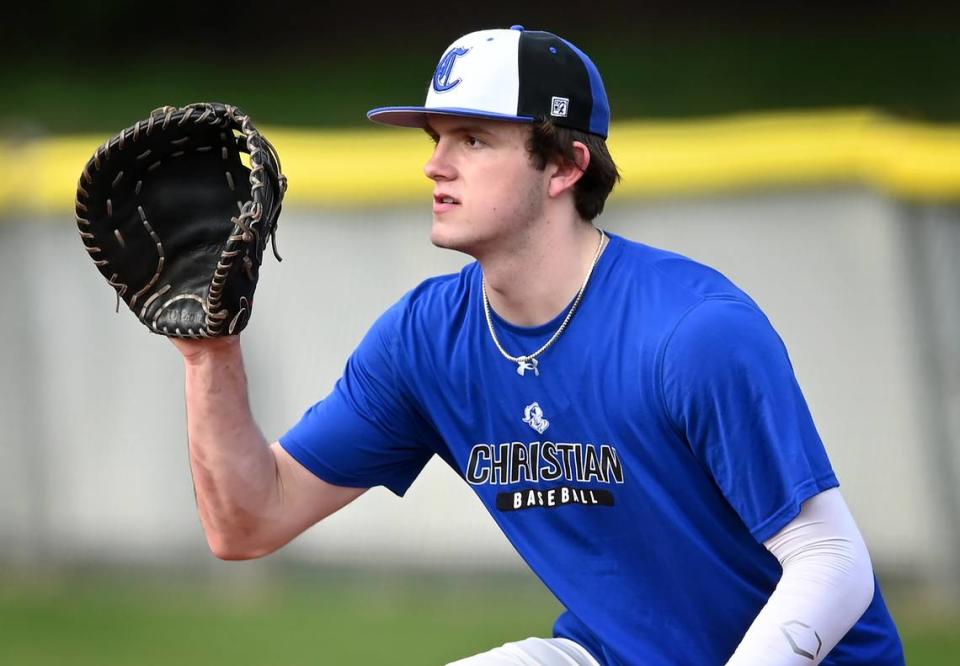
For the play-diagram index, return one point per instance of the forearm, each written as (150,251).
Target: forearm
(826,586)
(234,472)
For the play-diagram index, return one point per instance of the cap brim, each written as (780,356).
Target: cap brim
(416,116)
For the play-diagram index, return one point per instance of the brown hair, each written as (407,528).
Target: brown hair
(549,142)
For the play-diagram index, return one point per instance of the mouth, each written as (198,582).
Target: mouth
(443,202)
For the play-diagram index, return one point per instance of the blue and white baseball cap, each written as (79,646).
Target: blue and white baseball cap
(518,75)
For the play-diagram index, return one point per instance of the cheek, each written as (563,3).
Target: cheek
(514,192)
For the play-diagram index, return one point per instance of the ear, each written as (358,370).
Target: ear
(566,173)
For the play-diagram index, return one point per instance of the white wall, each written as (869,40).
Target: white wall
(93,453)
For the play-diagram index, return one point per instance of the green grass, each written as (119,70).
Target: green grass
(329,619)
(377,620)
(931,636)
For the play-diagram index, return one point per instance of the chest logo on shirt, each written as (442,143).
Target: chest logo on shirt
(533,417)
(544,462)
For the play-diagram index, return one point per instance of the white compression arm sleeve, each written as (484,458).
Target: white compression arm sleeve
(826,586)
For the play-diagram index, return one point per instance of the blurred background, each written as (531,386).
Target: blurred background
(808,150)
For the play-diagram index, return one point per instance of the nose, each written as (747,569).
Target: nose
(439,167)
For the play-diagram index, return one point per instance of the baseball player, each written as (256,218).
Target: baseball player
(629,417)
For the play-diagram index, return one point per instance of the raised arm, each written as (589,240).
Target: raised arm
(252,497)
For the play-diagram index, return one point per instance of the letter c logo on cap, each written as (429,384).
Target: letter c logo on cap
(441,77)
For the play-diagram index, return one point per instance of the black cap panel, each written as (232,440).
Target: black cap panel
(554,82)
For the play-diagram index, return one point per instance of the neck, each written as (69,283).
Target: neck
(535,280)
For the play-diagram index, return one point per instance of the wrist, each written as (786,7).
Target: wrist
(208,350)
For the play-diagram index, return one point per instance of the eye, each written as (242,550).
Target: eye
(473,141)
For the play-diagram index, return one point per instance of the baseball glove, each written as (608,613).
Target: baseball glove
(177,222)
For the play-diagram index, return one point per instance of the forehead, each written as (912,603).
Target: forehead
(444,124)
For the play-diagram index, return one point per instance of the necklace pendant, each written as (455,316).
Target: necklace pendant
(525,364)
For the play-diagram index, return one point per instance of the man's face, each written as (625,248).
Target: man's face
(487,193)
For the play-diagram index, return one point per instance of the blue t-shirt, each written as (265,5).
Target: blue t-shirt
(663,440)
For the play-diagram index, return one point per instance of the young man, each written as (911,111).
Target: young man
(629,417)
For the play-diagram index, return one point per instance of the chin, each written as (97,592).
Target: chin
(440,237)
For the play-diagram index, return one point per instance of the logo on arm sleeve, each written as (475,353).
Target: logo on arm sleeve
(803,640)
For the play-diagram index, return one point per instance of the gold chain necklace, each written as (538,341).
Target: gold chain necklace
(529,361)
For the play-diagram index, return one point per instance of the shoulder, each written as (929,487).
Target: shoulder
(433,304)
(698,315)
(725,347)
(396,339)
(722,326)
(685,280)
(666,288)
(441,295)
(442,291)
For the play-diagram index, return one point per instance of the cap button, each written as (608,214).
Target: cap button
(517,27)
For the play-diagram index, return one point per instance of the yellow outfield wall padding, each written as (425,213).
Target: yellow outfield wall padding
(380,165)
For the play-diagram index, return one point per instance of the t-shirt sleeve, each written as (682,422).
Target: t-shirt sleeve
(368,431)
(729,388)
